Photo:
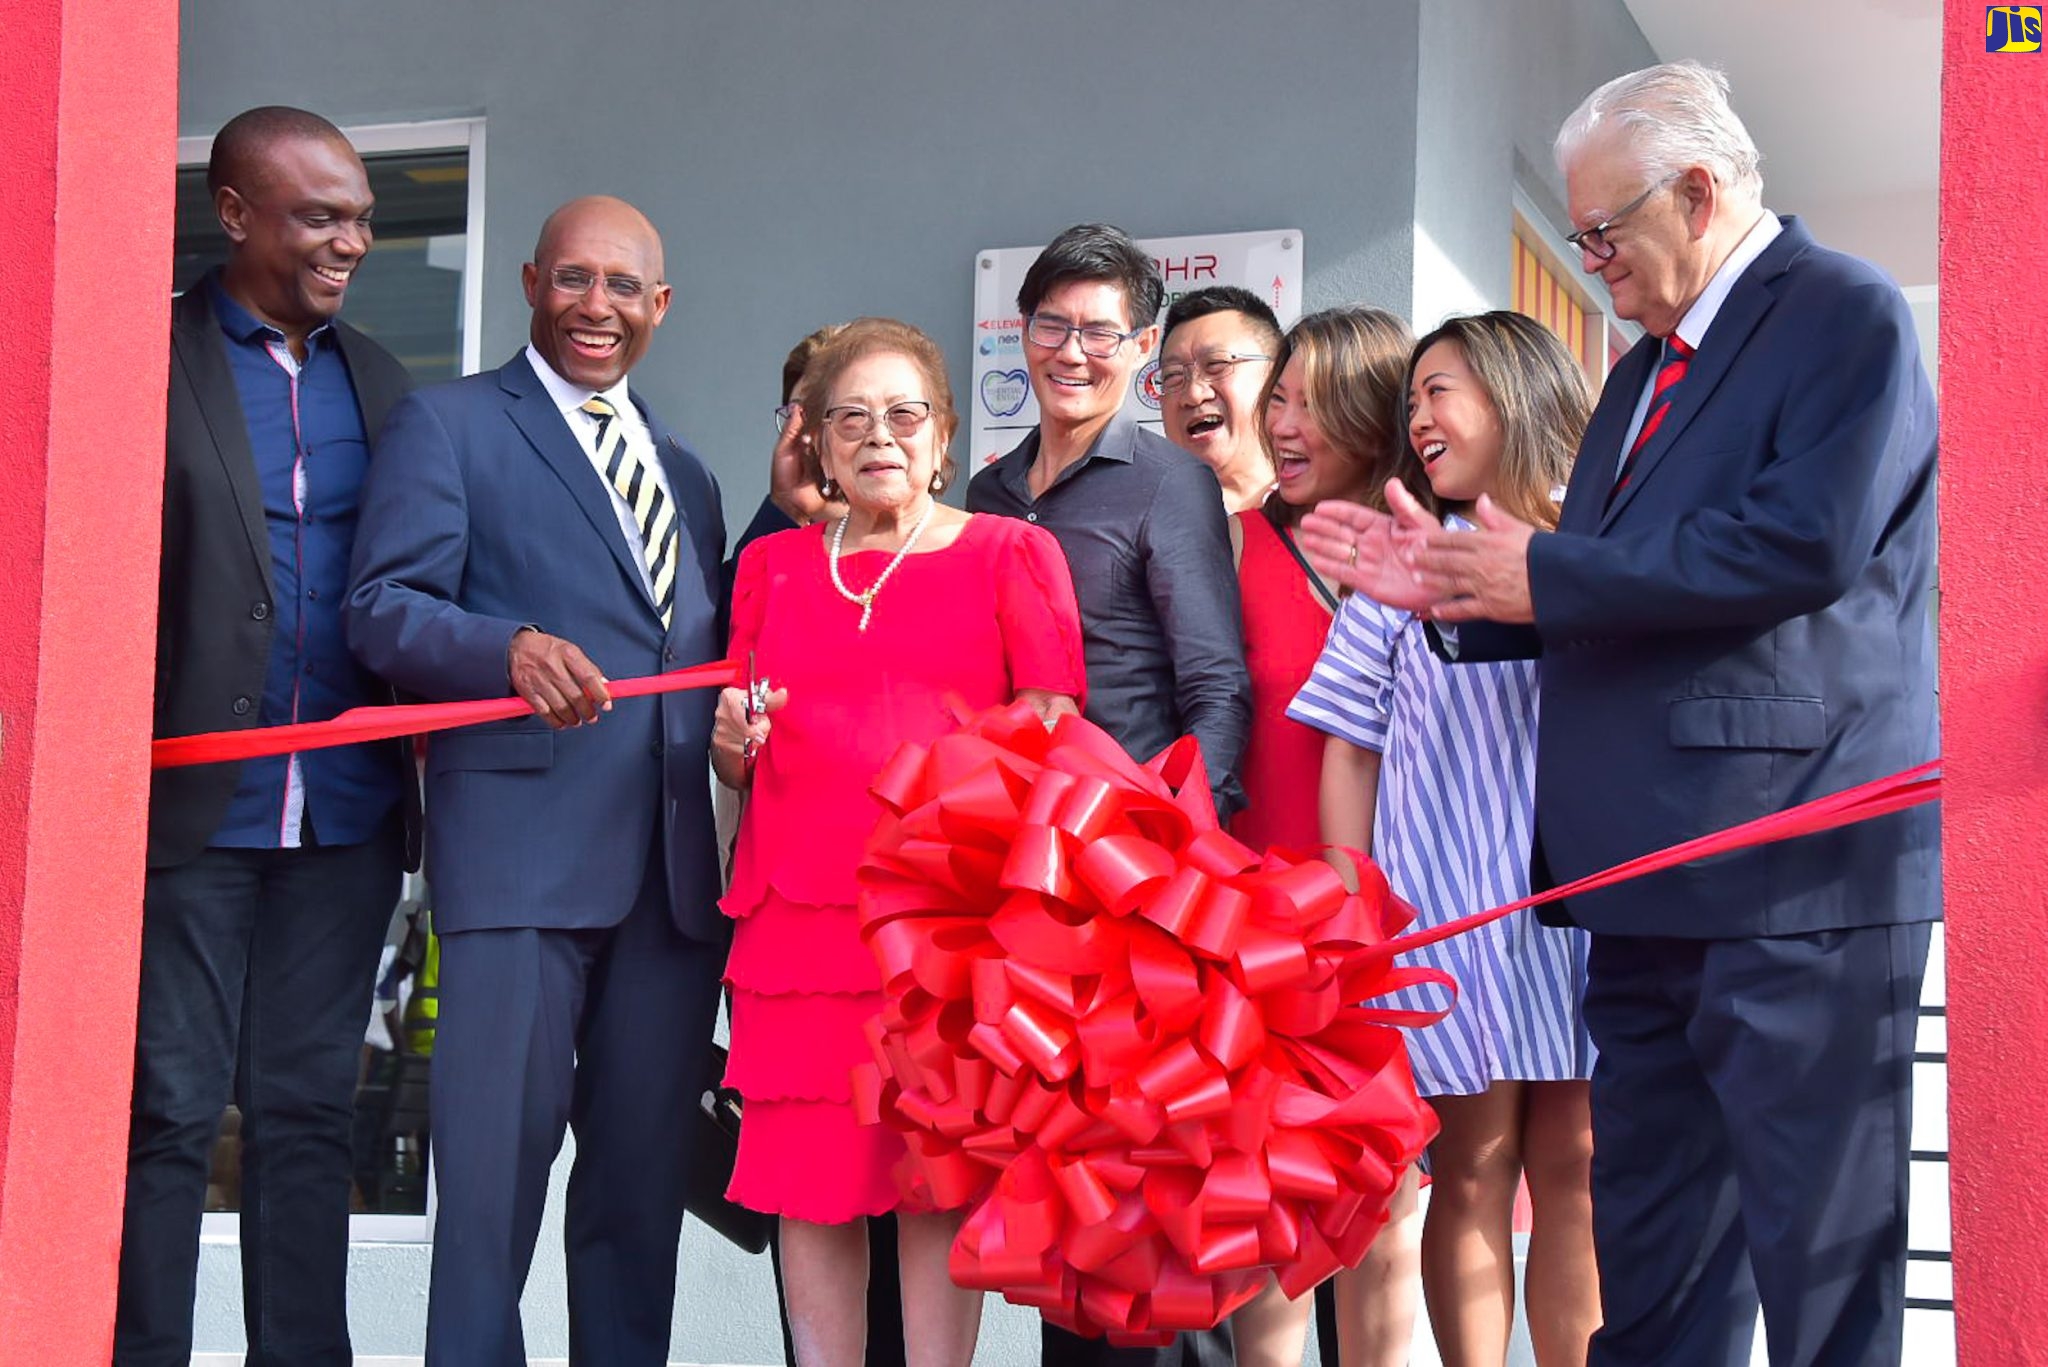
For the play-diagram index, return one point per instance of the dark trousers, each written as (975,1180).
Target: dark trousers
(1197,1348)
(1752,1106)
(258,967)
(608,1031)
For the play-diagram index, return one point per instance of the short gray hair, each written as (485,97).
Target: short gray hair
(1671,117)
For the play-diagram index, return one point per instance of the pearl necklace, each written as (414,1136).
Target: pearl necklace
(866,600)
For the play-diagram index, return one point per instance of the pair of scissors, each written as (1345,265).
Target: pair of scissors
(757,704)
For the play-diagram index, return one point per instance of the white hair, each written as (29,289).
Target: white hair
(1670,117)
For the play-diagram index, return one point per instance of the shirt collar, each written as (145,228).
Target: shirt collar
(243,326)
(569,397)
(1692,329)
(1118,441)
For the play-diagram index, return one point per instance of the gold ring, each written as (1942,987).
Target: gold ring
(1351,558)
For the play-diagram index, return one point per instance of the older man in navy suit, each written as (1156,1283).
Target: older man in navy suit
(535,530)
(1733,618)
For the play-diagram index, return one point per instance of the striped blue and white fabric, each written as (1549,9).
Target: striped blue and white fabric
(1452,833)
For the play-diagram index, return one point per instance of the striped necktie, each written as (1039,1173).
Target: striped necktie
(635,483)
(1677,355)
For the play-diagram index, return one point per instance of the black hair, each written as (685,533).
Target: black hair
(239,148)
(1092,252)
(1225,299)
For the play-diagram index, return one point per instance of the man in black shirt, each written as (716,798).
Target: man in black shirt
(1142,524)
(1141,521)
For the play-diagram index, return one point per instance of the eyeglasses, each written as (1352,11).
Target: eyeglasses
(621,289)
(1171,379)
(1593,241)
(1097,341)
(782,416)
(851,422)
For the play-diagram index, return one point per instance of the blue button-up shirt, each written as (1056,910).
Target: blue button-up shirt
(306,433)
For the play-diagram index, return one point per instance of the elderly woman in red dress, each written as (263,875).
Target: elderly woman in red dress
(872,627)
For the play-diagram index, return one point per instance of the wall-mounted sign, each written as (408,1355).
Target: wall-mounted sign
(1266,263)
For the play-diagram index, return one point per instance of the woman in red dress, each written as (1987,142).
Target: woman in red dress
(873,628)
(1332,424)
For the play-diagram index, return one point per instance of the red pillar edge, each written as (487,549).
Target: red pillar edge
(1994,676)
(88,139)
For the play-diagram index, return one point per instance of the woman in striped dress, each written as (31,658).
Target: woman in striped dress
(1432,766)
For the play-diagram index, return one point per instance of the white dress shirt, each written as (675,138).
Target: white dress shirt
(1692,329)
(583,426)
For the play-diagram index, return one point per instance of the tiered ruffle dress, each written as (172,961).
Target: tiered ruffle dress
(967,625)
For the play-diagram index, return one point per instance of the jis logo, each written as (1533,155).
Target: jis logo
(1003,392)
(2012,28)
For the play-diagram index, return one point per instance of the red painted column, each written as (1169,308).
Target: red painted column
(1994,678)
(88,145)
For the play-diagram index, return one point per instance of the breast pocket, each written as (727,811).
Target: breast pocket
(1748,722)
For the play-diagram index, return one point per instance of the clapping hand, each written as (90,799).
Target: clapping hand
(1364,550)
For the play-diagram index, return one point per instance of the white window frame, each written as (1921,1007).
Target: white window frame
(424,135)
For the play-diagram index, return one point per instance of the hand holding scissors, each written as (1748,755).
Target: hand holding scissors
(741,726)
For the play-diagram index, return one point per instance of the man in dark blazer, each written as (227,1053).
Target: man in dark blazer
(270,882)
(535,530)
(1734,617)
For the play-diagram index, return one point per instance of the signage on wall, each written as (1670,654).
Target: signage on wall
(1266,263)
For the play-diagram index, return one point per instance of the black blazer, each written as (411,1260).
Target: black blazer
(214,592)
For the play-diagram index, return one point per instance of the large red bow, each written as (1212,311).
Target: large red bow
(1127,1042)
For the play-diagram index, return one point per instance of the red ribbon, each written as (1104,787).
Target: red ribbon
(1128,1043)
(411,719)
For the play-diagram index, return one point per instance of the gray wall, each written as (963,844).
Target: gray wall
(810,161)
(1496,79)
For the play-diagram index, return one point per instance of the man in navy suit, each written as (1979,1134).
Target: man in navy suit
(535,530)
(1733,616)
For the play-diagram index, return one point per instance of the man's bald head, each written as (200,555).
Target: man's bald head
(596,289)
(604,215)
(242,150)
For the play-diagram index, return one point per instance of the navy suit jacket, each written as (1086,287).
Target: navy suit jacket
(1750,625)
(481,514)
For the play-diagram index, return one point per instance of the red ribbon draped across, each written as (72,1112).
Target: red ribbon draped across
(1131,1045)
(411,719)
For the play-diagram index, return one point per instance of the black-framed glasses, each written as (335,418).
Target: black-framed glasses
(1096,340)
(1593,241)
(1216,368)
(621,289)
(783,414)
(851,422)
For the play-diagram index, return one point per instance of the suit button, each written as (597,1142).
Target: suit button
(259,611)
(656,749)
(668,655)
(242,705)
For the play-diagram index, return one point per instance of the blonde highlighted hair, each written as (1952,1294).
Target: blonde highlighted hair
(1353,368)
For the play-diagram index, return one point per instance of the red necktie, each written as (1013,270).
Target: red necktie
(1677,355)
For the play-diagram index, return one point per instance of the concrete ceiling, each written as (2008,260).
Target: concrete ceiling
(1844,98)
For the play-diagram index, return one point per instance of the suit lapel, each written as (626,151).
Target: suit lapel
(1745,307)
(683,482)
(198,346)
(1600,450)
(533,411)
(373,398)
